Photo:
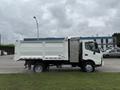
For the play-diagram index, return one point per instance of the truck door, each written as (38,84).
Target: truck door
(92,52)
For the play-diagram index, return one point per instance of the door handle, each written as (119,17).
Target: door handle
(86,54)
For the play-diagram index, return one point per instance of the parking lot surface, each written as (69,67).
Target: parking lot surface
(8,65)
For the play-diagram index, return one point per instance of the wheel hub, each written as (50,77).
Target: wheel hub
(89,68)
(38,68)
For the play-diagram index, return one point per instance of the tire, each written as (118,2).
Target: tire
(88,67)
(38,68)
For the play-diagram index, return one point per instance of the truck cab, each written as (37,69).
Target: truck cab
(92,55)
(91,51)
(86,54)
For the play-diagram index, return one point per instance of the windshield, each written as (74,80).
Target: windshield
(92,46)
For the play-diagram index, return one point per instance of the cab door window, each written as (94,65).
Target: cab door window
(89,46)
(92,46)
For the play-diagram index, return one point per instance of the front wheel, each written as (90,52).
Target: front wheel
(88,67)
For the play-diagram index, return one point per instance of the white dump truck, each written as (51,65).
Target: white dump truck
(44,52)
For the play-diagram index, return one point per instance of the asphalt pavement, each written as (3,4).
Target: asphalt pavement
(110,65)
(8,65)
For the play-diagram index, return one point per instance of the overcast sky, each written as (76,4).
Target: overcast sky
(58,18)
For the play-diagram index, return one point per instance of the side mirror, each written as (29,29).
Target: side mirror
(94,52)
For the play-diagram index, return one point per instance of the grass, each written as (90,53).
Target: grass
(60,81)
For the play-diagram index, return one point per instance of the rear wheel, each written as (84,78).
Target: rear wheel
(38,68)
(88,67)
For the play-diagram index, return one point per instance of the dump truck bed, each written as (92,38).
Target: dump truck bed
(44,48)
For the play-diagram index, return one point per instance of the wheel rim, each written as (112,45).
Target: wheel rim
(89,68)
(38,68)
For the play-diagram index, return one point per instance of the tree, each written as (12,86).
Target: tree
(116,38)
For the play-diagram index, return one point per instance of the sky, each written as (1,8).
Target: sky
(58,18)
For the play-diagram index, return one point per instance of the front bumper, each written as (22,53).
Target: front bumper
(102,63)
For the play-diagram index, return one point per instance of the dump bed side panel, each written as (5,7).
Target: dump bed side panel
(42,49)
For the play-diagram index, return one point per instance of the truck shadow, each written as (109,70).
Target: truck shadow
(61,70)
